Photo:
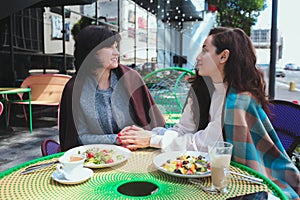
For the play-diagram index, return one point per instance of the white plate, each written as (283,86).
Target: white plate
(162,158)
(84,175)
(118,150)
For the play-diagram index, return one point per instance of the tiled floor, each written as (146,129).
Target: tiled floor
(18,145)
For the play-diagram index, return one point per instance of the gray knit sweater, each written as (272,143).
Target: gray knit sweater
(102,113)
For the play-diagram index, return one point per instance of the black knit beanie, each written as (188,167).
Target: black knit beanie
(90,37)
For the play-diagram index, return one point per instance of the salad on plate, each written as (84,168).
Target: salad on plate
(101,155)
(188,164)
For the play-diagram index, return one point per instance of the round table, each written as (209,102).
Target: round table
(105,182)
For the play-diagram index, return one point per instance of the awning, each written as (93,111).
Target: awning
(52,3)
(172,10)
(12,6)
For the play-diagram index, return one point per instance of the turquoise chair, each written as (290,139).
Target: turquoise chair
(169,88)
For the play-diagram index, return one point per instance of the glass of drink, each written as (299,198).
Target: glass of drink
(220,156)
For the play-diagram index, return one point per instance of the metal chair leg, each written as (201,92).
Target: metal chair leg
(24,111)
(30,115)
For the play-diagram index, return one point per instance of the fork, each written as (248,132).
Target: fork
(198,182)
(37,167)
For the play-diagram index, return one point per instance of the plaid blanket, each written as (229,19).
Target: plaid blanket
(256,144)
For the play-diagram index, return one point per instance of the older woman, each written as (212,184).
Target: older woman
(105,96)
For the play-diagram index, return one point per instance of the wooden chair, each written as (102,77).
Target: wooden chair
(49,147)
(46,90)
(169,88)
(284,116)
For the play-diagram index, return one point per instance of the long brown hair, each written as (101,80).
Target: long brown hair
(200,93)
(240,71)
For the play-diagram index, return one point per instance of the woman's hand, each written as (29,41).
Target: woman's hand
(134,137)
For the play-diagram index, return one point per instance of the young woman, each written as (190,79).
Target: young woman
(105,96)
(237,112)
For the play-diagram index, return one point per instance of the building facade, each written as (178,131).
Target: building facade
(39,39)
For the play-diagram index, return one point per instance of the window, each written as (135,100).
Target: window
(27,31)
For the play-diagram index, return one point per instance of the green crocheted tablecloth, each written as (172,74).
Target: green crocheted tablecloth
(105,182)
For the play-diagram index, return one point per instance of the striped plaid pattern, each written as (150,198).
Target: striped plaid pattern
(255,142)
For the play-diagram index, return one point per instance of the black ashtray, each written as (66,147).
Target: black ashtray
(138,188)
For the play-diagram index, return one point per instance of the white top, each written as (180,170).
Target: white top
(183,135)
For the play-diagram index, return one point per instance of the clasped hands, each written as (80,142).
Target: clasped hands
(133,137)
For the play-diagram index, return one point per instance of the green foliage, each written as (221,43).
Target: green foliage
(238,13)
(83,22)
(296,157)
